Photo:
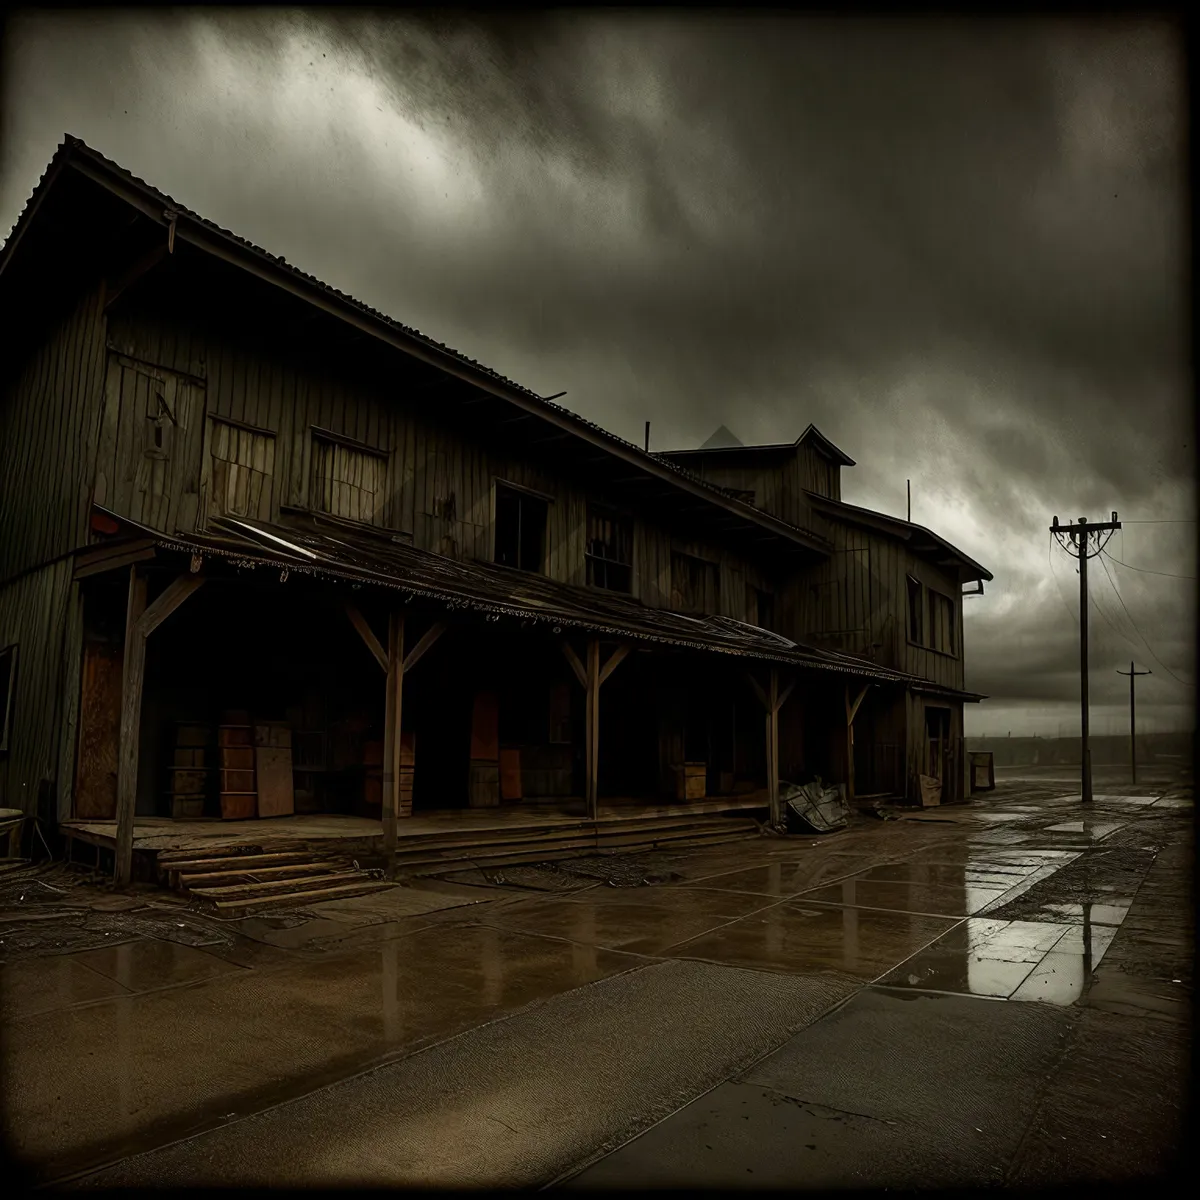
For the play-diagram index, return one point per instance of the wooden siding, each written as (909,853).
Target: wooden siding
(857,602)
(38,615)
(49,419)
(816,473)
(441,482)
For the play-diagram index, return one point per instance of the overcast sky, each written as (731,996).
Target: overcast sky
(960,250)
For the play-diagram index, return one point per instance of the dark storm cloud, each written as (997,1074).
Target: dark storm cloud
(958,248)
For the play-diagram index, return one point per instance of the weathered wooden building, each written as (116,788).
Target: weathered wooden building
(265,550)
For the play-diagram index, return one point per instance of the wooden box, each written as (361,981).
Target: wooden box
(185,781)
(691,781)
(187,807)
(238,806)
(237,781)
(236,758)
(484,785)
(235,735)
(185,757)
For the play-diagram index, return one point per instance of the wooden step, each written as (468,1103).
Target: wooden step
(165,857)
(235,908)
(544,848)
(272,887)
(261,874)
(244,862)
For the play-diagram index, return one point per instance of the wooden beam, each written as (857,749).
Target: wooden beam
(787,691)
(143,266)
(430,636)
(391,731)
(593,728)
(573,661)
(113,557)
(618,657)
(368,636)
(773,746)
(175,593)
(131,720)
(852,709)
(762,696)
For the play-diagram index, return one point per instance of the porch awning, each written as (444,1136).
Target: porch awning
(327,547)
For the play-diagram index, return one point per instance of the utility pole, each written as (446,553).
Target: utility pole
(908,487)
(1080,536)
(1132,726)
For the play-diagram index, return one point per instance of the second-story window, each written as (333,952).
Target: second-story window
(941,622)
(349,481)
(916,612)
(520,529)
(695,584)
(243,470)
(609,549)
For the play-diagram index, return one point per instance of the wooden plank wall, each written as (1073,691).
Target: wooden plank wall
(35,609)
(858,599)
(49,418)
(813,472)
(440,482)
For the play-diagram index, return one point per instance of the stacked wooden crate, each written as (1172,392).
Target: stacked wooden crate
(484,787)
(373,785)
(189,770)
(235,751)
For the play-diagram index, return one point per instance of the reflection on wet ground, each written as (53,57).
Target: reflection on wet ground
(1016,901)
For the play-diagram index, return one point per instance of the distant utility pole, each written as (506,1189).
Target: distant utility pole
(1080,537)
(908,487)
(1132,726)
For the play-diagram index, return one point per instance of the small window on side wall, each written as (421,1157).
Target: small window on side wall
(609,550)
(520,529)
(8,679)
(916,612)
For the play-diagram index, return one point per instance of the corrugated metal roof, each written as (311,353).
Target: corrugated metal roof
(77,148)
(328,547)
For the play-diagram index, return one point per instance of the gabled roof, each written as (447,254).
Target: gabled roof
(676,490)
(921,540)
(725,446)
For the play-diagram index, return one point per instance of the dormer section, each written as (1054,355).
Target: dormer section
(819,464)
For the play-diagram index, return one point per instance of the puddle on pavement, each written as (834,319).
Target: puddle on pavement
(1093,829)
(932,899)
(796,938)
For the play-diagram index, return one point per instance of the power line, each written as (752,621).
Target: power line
(1180,521)
(1112,583)
(1146,570)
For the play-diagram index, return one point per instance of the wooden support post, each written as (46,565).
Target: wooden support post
(593,727)
(392,709)
(851,713)
(140,622)
(430,636)
(368,636)
(773,746)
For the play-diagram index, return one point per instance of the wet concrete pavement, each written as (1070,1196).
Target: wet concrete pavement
(868,994)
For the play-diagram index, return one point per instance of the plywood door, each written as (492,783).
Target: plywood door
(99,731)
(273,765)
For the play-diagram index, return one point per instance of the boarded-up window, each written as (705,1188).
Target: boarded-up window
(695,584)
(8,679)
(916,612)
(348,481)
(242,470)
(520,529)
(941,620)
(609,549)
